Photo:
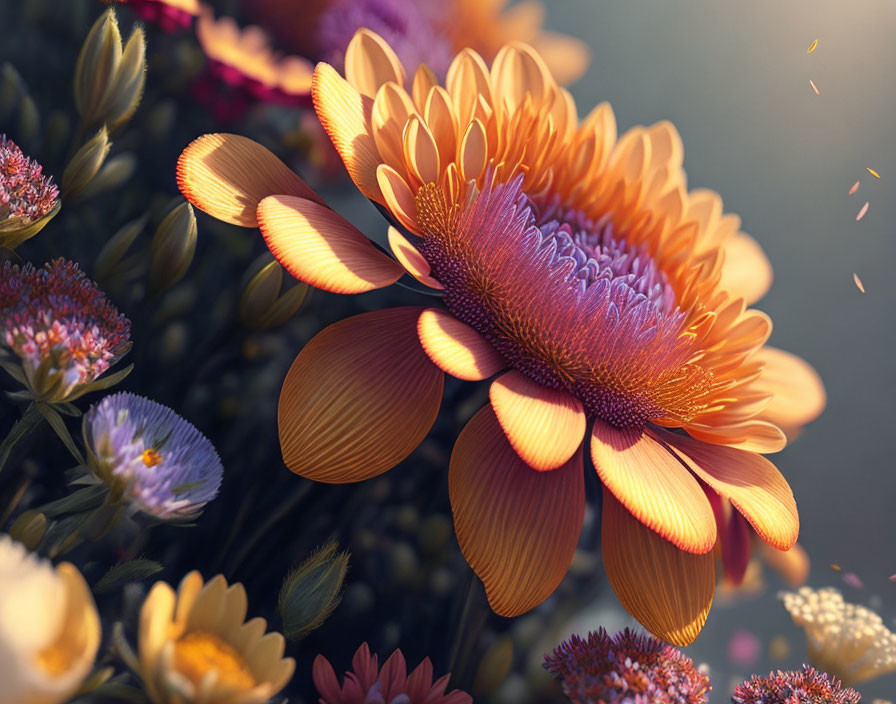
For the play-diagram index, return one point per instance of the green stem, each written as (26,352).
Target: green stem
(23,427)
(463,649)
(278,515)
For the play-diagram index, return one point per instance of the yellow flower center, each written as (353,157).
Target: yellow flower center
(151,458)
(54,659)
(197,653)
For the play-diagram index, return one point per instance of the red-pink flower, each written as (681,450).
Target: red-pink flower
(367,682)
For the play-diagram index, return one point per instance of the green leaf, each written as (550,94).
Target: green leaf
(55,420)
(130,571)
(79,501)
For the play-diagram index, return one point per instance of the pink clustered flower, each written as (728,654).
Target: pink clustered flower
(629,668)
(368,684)
(806,686)
(56,314)
(25,192)
(169,16)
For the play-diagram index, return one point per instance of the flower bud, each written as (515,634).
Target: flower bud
(10,91)
(109,260)
(494,666)
(114,173)
(96,67)
(173,247)
(85,164)
(261,306)
(311,592)
(29,120)
(29,529)
(126,89)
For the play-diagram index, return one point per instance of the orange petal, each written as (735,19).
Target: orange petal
(370,62)
(414,262)
(667,590)
(753,485)
(321,248)
(654,486)
(798,392)
(567,57)
(473,153)
(226,176)
(793,565)
(750,435)
(746,271)
(421,154)
(397,196)
(545,426)
(517,528)
(456,348)
(359,398)
(345,115)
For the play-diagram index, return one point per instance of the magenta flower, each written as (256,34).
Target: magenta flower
(368,684)
(806,686)
(58,331)
(28,198)
(629,668)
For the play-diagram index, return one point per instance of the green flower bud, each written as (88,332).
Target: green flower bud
(261,306)
(173,247)
(494,666)
(114,173)
(96,67)
(109,260)
(85,165)
(29,120)
(10,90)
(312,591)
(29,529)
(126,89)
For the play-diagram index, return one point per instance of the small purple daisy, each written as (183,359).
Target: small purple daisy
(806,686)
(629,668)
(60,327)
(151,457)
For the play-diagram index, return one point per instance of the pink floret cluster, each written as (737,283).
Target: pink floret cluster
(25,192)
(57,314)
(628,668)
(806,686)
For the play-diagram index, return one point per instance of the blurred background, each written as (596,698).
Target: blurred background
(734,78)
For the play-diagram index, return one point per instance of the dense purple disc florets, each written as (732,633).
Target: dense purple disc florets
(25,192)
(60,325)
(565,301)
(806,686)
(628,668)
(158,461)
(410,27)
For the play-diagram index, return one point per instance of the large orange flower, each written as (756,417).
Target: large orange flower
(575,267)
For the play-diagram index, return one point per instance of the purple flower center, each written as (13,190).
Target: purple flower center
(566,301)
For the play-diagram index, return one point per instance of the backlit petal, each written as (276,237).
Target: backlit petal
(746,271)
(370,62)
(750,435)
(753,485)
(345,115)
(359,398)
(545,426)
(323,249)
(517,528)
(798,392)
(226,176)
(456,348)
(413,262)
(397,196)
(654,486)
(667,590)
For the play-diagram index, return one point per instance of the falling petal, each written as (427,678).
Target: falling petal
(854,188)
(872,172)
(814,87)
(836,567)
(892,578)
(853,580)
(859,283)
(744,648)
(812,47)
(862,211)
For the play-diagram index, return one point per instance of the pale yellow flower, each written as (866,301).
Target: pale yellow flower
(49,628)
(196,646)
